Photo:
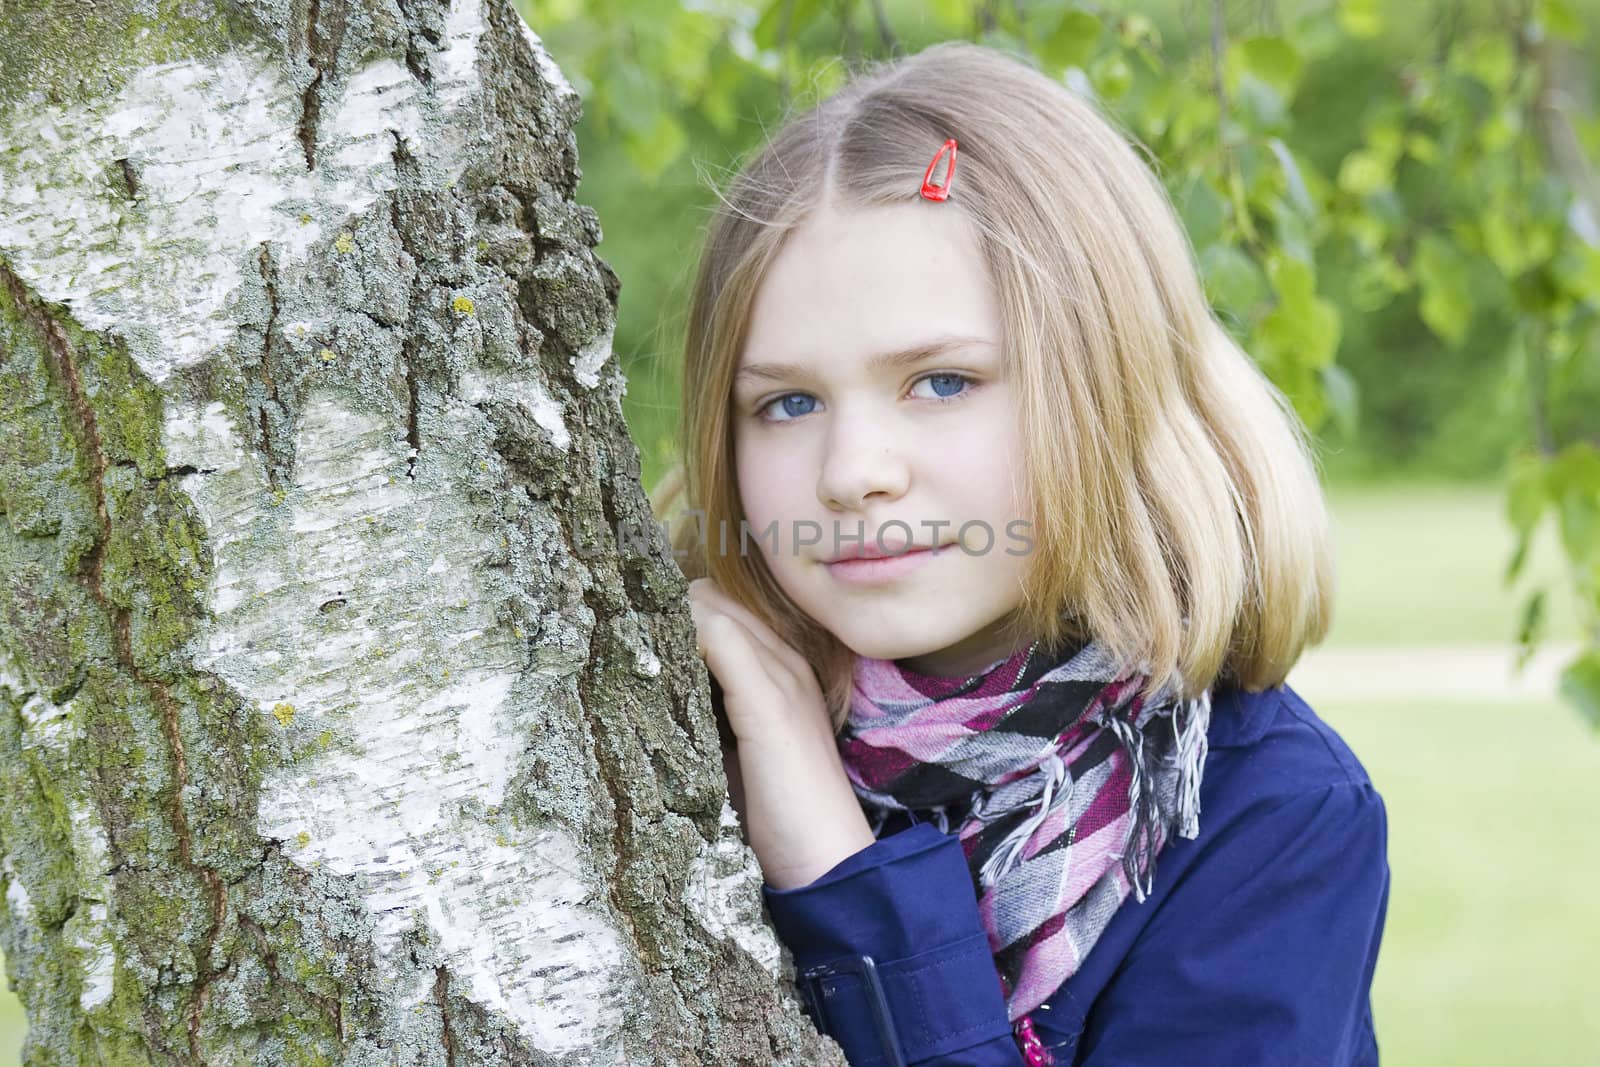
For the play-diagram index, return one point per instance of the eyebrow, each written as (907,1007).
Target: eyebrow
(904,357)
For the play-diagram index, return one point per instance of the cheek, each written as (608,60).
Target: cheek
(771,493)
(986,471)
(767,483)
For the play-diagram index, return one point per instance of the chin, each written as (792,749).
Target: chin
(878,627)
(876,642)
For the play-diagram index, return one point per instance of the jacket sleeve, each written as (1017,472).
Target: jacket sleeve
(906,902)
(1271,961)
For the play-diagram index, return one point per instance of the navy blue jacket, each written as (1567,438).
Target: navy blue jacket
(1256,946)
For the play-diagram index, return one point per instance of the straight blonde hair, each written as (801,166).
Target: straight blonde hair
(1178,518)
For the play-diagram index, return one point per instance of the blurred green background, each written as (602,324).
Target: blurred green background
(1396,210)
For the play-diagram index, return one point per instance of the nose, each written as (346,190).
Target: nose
(861,461)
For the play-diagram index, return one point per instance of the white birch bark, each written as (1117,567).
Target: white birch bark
(335,724)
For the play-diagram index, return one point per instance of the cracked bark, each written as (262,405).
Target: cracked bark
(323,740)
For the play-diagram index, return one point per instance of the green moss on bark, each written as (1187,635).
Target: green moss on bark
(80,50)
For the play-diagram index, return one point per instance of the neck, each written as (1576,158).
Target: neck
(961,662)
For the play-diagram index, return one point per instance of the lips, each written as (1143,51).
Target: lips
(877,552)
(881,570)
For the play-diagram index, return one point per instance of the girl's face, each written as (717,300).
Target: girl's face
(830,444)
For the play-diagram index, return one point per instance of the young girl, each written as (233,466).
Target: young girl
(949,319)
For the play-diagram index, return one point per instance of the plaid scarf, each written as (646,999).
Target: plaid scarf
(1065,782)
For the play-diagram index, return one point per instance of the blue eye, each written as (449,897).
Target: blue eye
(947,378)
(795,405)
(788,403)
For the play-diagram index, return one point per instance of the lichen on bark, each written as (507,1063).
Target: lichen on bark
(332,740)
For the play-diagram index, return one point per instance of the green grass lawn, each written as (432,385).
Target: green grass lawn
(1424,565)
(1489,948)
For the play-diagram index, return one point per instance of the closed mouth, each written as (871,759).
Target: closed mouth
(909,550)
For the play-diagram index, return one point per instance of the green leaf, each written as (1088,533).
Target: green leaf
(1073,41)
(1528,495)
(1580,683)
(1232,278)
(1111,75)
(686,49)
(1343,398)
(1319,33)
(771,22)
(1274,61)
(634,99)
(1561,19)
(1549,196)
(655,150)
(1293,180)
(824,76)
(1531,626)
(1519,559)
(1538,296)
(1302,331)
(1261,175)
(1134,30)
(1364,171)
(1515,246)
(1261,103)
(1294,235)
(1574,484)
(1500,130)
(952,17)
(719,109)
(1294,281)
(765,33)
(1375,281)
(1576,265)
(1422,148)
(1580,523)
(1194,118)
(1487,58)
(1361,18)
(720,102)
(1202,210)
(1446,296)
(1505,244)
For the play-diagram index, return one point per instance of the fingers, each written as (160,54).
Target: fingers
(751,696)
(722,639)
(766,684)
(759,631)
(731,652)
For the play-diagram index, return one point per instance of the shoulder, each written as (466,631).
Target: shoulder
(1282,790)
(1293,845)
(1272,914)
(1274,743)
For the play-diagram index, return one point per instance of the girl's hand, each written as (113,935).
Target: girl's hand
(766,685)
(802,816)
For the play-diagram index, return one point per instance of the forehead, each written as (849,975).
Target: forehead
(849,283)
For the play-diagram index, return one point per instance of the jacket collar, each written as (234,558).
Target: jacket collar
(1238,717)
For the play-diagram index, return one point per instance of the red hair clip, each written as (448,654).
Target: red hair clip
(931,191)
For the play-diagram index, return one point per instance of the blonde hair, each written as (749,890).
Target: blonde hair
(1177,514)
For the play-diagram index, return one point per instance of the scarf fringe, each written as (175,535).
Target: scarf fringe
(1143,838)
(1009,852)
(1192,747)
(1150,823)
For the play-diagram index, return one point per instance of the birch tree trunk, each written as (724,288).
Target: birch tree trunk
(336,723)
